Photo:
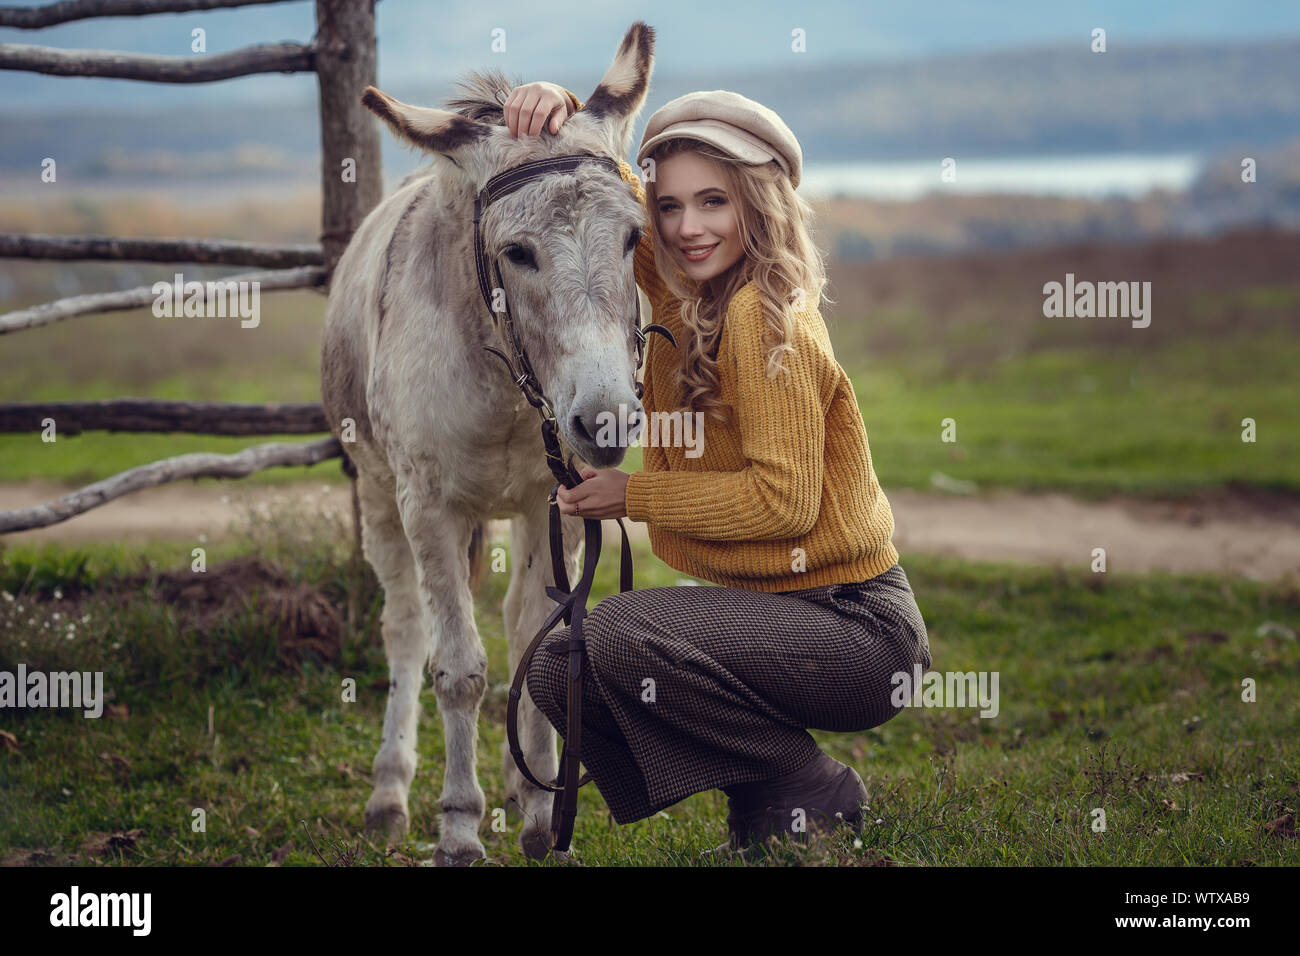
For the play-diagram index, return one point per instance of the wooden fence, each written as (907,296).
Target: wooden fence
(343,57)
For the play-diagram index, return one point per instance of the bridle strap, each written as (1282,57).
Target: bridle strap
(570,605)
(564,806)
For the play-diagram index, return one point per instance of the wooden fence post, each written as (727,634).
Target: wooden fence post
(346,60)
(346,63)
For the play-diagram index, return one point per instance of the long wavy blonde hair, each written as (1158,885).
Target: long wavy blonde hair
(775,225)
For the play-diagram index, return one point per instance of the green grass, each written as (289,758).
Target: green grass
(1157,414)
(1091,424)
(133,354)
(93,456)
(1109,685)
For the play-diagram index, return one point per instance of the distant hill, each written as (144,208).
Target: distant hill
(1056,100)
(1201,98)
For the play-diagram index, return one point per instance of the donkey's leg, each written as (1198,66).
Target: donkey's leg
(526,607)
(406,643)
(439,538)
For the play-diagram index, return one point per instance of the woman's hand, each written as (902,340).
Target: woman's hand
(528,108)
(602,494)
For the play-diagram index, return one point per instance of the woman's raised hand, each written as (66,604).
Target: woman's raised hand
(529,107)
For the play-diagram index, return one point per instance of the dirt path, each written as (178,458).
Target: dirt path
(1250,535)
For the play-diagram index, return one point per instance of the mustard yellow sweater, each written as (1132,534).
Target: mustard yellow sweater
(783,498)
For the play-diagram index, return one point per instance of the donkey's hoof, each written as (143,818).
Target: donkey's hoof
(466,857)
(535,842)
(388,822)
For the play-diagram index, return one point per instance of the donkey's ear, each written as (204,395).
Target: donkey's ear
(622,91)
(439,131)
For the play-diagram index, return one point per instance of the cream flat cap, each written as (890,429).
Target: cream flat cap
(733,123)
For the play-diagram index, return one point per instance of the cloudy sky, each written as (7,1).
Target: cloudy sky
(425,43)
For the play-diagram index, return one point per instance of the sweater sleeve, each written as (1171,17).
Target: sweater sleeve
(574,103)
(782,434)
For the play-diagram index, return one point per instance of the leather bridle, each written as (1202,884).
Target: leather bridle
(570,605)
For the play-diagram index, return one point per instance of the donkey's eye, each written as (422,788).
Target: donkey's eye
(632,241)
(520,256)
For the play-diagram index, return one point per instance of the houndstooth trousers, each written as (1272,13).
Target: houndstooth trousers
(691,688)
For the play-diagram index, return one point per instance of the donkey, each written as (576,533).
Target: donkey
(441,438)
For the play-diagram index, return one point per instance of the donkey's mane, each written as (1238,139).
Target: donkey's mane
(483,96)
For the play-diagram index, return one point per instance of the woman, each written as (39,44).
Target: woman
(692,688)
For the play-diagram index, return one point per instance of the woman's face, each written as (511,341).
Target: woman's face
(697,213)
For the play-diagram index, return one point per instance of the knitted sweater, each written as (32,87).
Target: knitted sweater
(784,497)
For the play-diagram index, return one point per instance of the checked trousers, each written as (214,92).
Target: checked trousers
(691,688)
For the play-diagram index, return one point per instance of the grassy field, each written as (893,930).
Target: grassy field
(1090,406)
(1123,693)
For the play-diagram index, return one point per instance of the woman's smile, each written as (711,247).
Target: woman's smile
(699,253)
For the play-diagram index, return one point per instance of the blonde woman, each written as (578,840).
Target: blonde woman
(693,688)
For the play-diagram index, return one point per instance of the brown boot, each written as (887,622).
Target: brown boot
(828,792)
(741,821)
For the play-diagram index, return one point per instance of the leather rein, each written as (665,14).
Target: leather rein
(571,605)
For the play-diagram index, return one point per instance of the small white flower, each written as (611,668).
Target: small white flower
(58,594)
(55,616)
(7,596)
(85,619)
(117,645)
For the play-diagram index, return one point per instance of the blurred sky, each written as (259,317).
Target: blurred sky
(423,44)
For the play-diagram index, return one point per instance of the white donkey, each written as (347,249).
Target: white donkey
(444,439)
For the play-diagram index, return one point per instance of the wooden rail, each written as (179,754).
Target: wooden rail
(36,18)
(264,58)
(196,465)
(226,252)
(95,303)
(152,415)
